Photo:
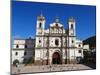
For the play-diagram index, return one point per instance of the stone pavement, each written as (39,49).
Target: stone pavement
(49,68)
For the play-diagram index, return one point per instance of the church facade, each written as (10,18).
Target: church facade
(55,45)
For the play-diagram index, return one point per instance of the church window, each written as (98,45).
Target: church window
(72,41)
(25,46)
(71,26)
(56,24)
(56,42)
(17,46)
(79,51)
(25,53)
(39,41)
(16,53)
(40,25)
(79,45)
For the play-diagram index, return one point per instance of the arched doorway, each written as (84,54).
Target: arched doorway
(56,58)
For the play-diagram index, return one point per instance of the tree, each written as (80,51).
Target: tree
(91,41)
(29,61)
(15,61)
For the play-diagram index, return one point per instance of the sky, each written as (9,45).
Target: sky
(24,18)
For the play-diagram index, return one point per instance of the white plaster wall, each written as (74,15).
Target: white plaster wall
(53,24)
(71,32)
(41,43)
(19,41)
(44,54)
(45,42)
(79,42)
(37,54)
(21,46)
(70,41)
(77,53)
(86,47)
(39,31)
(19,56)
(41,54)
(37,42)
(64,41)
(81,45)
(72,53)
(64,53)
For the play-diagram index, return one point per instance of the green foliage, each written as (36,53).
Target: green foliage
(15,61)
(91,41)
(89,57)
(29,61)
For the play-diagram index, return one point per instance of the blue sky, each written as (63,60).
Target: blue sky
(24,17)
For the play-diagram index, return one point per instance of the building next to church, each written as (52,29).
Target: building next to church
(55,45)
(23,50)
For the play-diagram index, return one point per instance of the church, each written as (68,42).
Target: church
(55,45)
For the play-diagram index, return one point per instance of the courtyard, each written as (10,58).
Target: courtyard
(22,69)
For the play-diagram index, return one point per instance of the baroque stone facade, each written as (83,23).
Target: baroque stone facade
(57,45)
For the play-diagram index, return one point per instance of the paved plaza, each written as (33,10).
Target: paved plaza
(48,68)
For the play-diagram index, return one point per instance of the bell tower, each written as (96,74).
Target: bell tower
(39,43)
(40,25)
(71,26)
(40,30)
(71,39)
(71,32)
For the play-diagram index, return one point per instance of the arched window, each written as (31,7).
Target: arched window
(71,26)
(79,51)
(17,46)
(25,46)
(72,41)
(57,42)
(79,45)
(39,41)
(25,53)
(16,53)
(40,25)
